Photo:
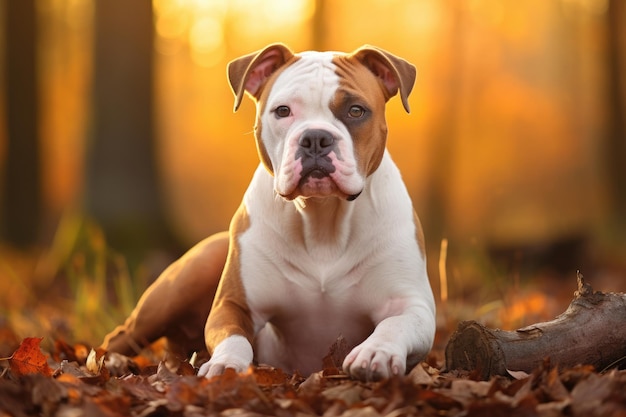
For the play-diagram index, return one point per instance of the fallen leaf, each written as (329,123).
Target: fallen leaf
(119,365)
(553,388)
(28,358)
(267,376)
(465,390)
(348,393)
(590,394)
(184,391)
(164,374)
(64,351)
(93,363)
(517,374)
(333,361)
(361,412)
(419,376)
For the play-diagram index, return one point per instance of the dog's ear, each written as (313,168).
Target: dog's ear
(395,73)
(250,72)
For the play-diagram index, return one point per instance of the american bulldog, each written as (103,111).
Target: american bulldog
(325,242)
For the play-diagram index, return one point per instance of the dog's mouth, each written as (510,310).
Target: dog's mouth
(317,173)
(318,182)
(318,177)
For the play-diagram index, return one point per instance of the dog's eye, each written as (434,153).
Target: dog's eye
(282,111)
(356,112)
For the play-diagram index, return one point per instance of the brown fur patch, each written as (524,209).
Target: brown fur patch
(177,304)
(230,314)
(358,86)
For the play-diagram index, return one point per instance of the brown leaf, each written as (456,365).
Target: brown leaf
(348,393)
(164,374)
(119,365)
(419,375)
(28,358)
(233,390)
(590,394)
(554,388)
(184,391)
(47,393)
(93,364)
(334,359)
(517,374)
(185,369)
(267,376)
(64,351)
(73,369)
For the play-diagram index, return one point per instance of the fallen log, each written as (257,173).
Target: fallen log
(592,331)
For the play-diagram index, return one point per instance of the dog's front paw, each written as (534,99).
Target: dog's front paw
(233,352)
(372,361)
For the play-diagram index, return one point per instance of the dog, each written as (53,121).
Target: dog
(325,243)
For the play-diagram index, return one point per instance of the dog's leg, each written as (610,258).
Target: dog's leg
(397,341)
(229,329)
(177,304)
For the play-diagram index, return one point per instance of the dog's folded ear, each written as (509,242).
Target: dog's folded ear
(395,73)
(250,72)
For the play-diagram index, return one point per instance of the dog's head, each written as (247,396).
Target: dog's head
(320,127)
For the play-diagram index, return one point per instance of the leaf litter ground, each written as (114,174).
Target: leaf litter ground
(76,381)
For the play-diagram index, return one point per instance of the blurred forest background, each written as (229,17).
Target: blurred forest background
(119,149)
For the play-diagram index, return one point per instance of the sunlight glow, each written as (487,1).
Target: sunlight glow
(206,40)
(200,25)
(196,23)
(287,10)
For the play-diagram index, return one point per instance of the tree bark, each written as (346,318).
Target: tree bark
(319,27)
(591,331)
(123,184)
(616,144)
(22,199)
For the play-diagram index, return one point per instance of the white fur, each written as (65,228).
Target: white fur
(234,352)
(334,267)
(314,269)
(307,87)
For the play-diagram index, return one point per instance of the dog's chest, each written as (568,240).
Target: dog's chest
(286,274)
(300,315)
(287,280)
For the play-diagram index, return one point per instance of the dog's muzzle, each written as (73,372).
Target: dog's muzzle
(319,166)
(314,148)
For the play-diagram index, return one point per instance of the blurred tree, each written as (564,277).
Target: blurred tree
(444,130)
(319,27)
(616,149)
(22,200)
(122,185)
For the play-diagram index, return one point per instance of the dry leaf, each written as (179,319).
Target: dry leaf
(426,391)
(28,358)
(94,365)
(332,362)
(268,376)
(517,374)
(419,376)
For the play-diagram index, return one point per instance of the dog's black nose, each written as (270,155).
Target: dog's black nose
(316,142)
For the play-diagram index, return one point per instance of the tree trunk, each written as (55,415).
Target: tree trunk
(616,149)
(122,190)
(22,199)
(319,27)
(591,331)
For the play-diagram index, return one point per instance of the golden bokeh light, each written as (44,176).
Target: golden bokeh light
(200,25)
(494,96)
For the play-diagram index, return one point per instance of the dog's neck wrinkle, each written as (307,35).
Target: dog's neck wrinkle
(325,223)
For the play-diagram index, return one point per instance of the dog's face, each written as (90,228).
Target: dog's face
(321,126)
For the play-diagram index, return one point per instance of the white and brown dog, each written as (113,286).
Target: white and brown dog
(325,242)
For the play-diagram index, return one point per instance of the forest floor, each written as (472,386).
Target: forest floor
(46,368)
(73,380)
